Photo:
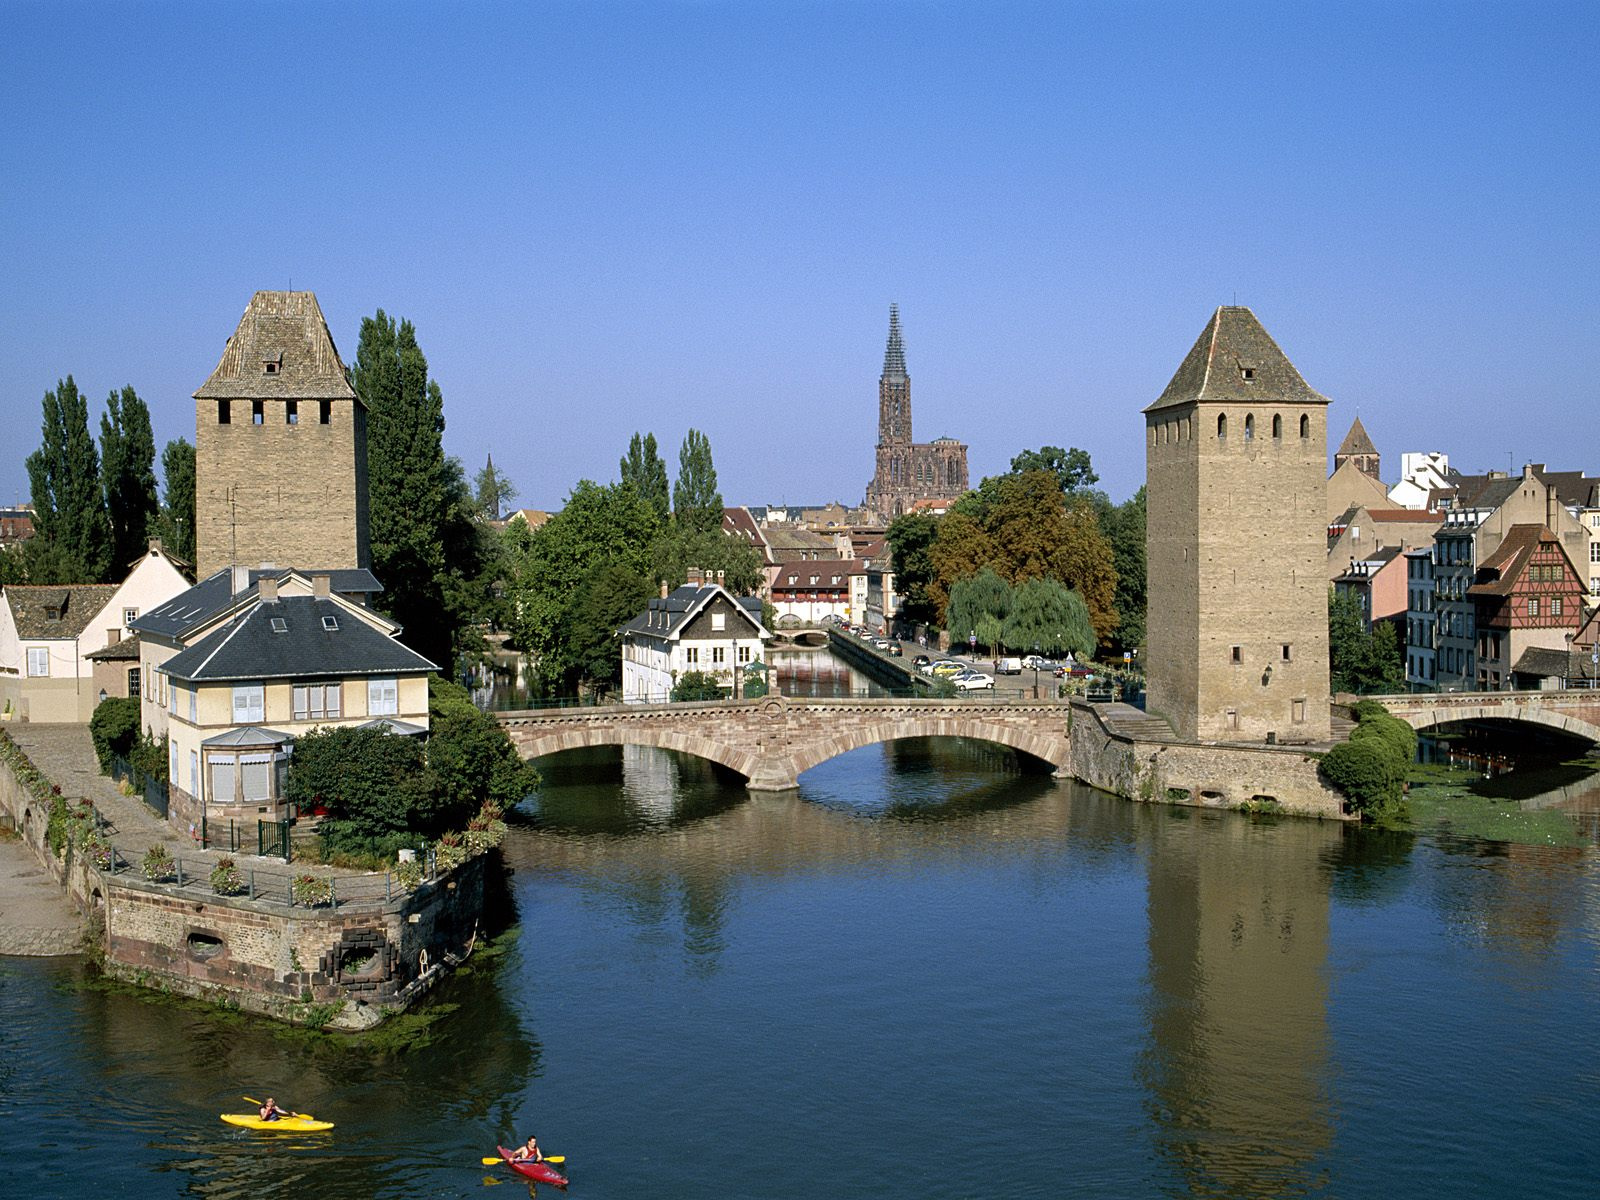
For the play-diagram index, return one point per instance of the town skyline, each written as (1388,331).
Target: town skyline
(657,218)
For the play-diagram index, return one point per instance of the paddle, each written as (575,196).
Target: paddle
(495,1162)
(257,1103)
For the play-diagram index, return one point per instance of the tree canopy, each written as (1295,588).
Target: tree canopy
(72,540)
(644,471)
(128,476)
(176,519)
(696,502)
(1361,660)
(1071,468)
(911,537)
(1049,618)
(493,490)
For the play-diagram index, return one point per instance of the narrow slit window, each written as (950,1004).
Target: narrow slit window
(224,415)
(1237,654)
(291,412)
(325,417)
(258,412)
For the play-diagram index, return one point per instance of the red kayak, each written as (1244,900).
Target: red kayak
(539,1172)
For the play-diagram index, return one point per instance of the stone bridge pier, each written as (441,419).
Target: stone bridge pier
(772,740)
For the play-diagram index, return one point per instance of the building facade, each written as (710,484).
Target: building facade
(1238,627)
(906,470)
(701,627)
(1528,595)
(280,446)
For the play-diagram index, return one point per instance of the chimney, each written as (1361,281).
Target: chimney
(268,586)
(664,592)
(155,545)
(720,576)
(696,577)
(321,587)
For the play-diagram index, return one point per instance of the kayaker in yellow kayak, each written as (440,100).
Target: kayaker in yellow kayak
(271,1112)
(529,1152)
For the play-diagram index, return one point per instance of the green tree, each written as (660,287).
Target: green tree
(981,594)
(471,761)
(962,548)
(1124,527)
(911,537)
(697,685)
(1050,617)
(696,502)
(608,598)
(608,524)
(114,728)
(644,469)
(1361,660)
(1071,468)
(13,567)
(128,476)
(176,519)
(373,784)
(678,548)
(493,490)
(71,540)
(408,481)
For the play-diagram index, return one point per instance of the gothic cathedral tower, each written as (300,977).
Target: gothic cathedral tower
(905,471)
(280,446)
(1236,462)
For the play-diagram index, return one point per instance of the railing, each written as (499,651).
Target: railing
(193,878)
(151,790)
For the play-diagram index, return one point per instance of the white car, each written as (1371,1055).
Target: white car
(972,681)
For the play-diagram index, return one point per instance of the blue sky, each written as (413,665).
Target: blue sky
(605,218)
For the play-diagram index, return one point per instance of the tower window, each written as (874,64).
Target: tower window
(1249,373)
(258,412)
(1305,427)
(325,416)
(1222,425)
(223,413)
(271,366)
(1237,653)
(1286,655)
(291,412)
(1249,426)
(1277,427)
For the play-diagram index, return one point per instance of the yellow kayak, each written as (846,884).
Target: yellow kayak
(301,1124)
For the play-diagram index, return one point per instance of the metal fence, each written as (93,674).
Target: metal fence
(151,790)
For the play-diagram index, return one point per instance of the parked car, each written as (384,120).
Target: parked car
(1008,666)
(920,661)
(972,681)
(945,667)
(894,650)
(1034,662)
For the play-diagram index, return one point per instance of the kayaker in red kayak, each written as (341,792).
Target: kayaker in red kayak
(529,1152)
(271,1112)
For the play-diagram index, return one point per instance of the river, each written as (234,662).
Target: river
(930,972)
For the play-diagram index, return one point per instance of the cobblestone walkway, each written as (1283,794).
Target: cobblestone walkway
(65,753)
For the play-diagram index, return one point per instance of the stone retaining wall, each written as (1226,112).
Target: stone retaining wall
(1203,774)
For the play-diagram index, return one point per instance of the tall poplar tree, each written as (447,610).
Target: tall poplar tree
(493,490)
(72,532)
(176,522)
(408,482)
(696,502)
(128,475)
(644,469)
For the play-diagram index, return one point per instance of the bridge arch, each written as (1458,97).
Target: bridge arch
(1570,713)
(741,762)
(1427,719)
(1048,749)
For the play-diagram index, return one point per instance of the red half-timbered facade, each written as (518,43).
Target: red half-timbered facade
(1527,595)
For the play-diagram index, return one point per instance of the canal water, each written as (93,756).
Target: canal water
(932,972)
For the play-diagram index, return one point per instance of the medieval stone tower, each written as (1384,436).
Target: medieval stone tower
(906,471)
(280,446)
(1235,452)
(1357,448)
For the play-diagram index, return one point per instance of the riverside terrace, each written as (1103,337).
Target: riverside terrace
(323,947)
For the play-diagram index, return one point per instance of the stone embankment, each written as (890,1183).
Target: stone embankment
(342,952)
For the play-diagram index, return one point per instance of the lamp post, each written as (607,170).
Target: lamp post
(1036,670)
(1566,679)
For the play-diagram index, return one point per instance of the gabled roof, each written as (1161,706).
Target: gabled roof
(213,594)
(1357,441)
(894,354)
(124,650)
(1235,361)
(281,350)
(1541,662)
(288,637)
(666,616)
(1511,558)
(74,605)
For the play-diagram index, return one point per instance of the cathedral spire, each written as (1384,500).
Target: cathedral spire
(894,355)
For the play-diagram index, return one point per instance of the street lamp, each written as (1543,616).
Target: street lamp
(1566,679)
(1036,670)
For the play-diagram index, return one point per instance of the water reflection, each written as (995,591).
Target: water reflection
(1236,1065)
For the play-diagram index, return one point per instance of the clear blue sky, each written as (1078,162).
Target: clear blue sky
(605,218)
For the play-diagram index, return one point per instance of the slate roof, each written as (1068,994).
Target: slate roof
(215,592)
(248,646)
(1232,343)
(1357,441)
(286,329)
(666,615)
(1544,663)
(75,604)
(126,650)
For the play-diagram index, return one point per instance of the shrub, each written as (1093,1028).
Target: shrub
(408,874)
(157,863)
(114,729)
(696,685)
(312,890)
(226,879)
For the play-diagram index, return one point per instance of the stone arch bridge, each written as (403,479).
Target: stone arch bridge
(772,740)
(1576,712)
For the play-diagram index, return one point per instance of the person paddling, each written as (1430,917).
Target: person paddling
(528,1152)
(271,1112)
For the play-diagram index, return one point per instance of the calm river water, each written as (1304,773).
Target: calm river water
(930,973)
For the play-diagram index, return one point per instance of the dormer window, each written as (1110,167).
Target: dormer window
(52,613)
(271,366)
(1248,374)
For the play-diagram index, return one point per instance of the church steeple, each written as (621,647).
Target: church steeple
(894,355)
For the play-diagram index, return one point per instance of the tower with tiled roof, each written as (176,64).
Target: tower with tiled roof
(1236,450)
(1357,448)
(905,470)
(280,446)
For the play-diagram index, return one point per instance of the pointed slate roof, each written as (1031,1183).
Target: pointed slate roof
(894,354)
(1235,361)
(282,350)
(1357,441)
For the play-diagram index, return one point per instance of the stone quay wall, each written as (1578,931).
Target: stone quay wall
(345,967)
(1201,774)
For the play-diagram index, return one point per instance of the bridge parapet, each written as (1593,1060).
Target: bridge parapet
(1576,712)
